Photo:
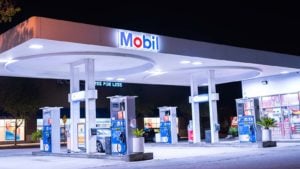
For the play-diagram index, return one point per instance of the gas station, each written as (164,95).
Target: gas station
(48,48)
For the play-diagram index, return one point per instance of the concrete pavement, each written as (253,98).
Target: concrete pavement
(180,155)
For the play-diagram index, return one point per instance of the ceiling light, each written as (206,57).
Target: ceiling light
(109,78)
(156,72)
(185,62)
(4,60)
(36,46)
(120,79)
(197,63)
(284,72)
(7,60)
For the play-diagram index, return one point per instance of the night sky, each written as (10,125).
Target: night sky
(265,26)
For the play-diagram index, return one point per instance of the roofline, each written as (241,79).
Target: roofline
(59,30)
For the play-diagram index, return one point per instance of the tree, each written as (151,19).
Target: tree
(8,9)
(20,98)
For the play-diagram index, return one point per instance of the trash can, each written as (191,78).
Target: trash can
(108,145)
(207,136)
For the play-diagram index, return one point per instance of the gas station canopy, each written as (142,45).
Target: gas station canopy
(44,48)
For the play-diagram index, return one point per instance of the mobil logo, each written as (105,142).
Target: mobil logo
(138,41)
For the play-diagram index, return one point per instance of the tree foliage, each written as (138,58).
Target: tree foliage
(8,10)
(19,97)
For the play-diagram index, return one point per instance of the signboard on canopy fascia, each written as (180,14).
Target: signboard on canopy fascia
(138,41)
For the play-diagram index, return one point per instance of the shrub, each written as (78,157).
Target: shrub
(37,135)
(266,122)
(138,132)
(233,131)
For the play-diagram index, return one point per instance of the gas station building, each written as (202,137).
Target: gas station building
(48,48)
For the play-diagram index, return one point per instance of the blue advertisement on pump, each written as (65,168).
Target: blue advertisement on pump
(247,129)
(165,132)
(47,138)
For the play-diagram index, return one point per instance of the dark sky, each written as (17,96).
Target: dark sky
(267,26)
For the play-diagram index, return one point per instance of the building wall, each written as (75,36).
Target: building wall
(285,83)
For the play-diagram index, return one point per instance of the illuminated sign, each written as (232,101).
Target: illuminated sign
(139,41)
(200,98)
(82,95)
(109,84)
(203,98)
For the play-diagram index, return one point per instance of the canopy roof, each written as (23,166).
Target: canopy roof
(44,48)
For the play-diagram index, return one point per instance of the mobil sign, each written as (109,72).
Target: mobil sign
(138,41)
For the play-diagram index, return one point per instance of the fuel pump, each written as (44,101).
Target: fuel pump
(168,125)
(122,111)
(247,113)
(51,129)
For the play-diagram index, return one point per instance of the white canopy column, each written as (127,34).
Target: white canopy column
(213,113)
(195,111)
(74,108)
(89,95)
(90,105)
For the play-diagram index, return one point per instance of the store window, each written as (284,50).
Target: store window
(7,130)
(284,108)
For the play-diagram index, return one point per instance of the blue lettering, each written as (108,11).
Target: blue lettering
(126,41)
(138,41)
(146,43)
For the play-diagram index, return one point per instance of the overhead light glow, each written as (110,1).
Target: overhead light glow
(284,72)
(156,72)
(120,79)
(36,46)
(185,62)
(10,60)
(4,60)
(109,78)
(197,63)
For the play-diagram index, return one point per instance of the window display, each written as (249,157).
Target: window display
(151,122)
(7,130)
(283,108)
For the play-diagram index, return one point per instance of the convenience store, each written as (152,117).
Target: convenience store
(278,98)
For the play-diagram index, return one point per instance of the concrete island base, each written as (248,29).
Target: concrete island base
(128,158)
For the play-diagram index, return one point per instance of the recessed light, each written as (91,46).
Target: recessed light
(36,46)
(4,60)
(120,79)
(284,72)
(185,62)
(9,60)
(197,63)
(204,84)
(156,72)
(109,78)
